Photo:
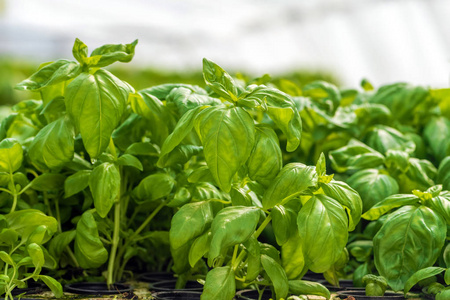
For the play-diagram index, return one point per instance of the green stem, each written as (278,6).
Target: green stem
(58,215)
(145,223)
(6,191)
(47,203)
(115,243)
(14,193)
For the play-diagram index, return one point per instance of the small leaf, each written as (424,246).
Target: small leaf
(130,160)
(219,284)
(111,53)
(11,155)
(219,80)
(48,182)
(37,255)
(104,184)
(6,258)
(388,204)
(277,275)
(54,285)
(421,275)
(76,183)
(199,248)
(303,287)
(154,187)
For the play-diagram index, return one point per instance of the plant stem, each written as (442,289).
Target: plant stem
(145,223)
(14,193)
(115,243)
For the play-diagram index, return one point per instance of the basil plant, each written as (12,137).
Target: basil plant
(309,212)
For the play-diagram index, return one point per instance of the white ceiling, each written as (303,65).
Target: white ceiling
(384,41)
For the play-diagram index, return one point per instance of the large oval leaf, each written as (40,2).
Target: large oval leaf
(323,229)
(104,184)
(265,161)
(232,225)
(293,179)
(96,103)
(410,239)
(89,249)
(283,223)
(189,222)
(228,136)
(373,186)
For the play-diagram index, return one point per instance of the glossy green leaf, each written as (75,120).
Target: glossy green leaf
(131,161)
(447,276)
(277,275)
(111,53)
(228,136)
(89,249)
(189,222)
(373,186)
(441,205)
(143,148)
(283,223)
(322,225)
(292,180)
(292,257)
(437,135)
(182,129)
(48,182)
(6,258)
(219,284)
(104,184)
(199,248)
(419,176)
(24,222)
(53,146)
(8,237)
(54,285)
(326,91)
(40,235)
(421,275)
(186,99)
(154,187)
(347,197)
(397,158)
(383,138)
(76,183)
(180,258)
(265,161)
(163,90)
(79,51)
(239,196)
(50,74)
(232,225)
(96,103)
(303,287)
(37,255)
(11,155)
(218,80)
(388,204)
(181,154)
(410,239)
(354,156)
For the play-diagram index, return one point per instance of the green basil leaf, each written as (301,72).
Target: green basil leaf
(410,239)
(96,103)
(53,146)
(322,225)
(6,258)
(180,258)
(441,205)
(186,99)
(50,74)
(79,51)
(143,148)
(154,187)
(40,235)
(48,182)
(11,155)
(292,180)
(388,204)
(104,184)
(303,287)
(89,249)
(228,136)
(277,275)
(373,186)
(54,285)
(201,174)
(60,242)
(24,222)
(130,160)
(163,90)
(354,156)
(421,275)
(37,255)
(8,237)
(219,81)
(383,138)
(219,284)
(189,222)
(397,158)
(347,197)
(292,257)
(265,161)
(199,248)
(183,128)
(283,223)
(76,183)
(111,53)
(232,225)
(329,93)
(419,176)
(181,197)
(181,154)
